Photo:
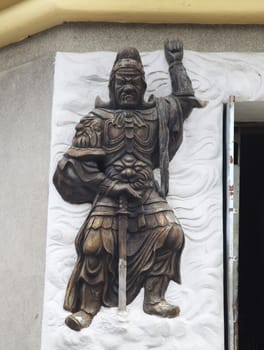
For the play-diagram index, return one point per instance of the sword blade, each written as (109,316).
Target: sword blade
(122,266)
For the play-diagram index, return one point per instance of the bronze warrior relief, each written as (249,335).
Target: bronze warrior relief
(131,238)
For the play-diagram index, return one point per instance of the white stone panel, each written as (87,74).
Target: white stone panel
(195,195)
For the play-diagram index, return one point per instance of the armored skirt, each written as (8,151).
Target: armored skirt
(123,147)
(153,248)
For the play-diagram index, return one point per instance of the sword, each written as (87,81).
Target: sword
(122,266)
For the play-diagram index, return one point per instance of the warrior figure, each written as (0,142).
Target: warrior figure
(114,151)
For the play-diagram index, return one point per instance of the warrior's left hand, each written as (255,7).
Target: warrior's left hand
(173,50)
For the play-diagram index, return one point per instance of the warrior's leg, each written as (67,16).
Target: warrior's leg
(90,305)
(154,299)
(91,284)
(156,286)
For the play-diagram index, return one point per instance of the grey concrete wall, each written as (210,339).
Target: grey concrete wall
(25,103)
(26,77)
(82,37)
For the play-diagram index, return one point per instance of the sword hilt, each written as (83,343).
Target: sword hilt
(122,205)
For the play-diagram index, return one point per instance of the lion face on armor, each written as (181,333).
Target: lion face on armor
(133,171)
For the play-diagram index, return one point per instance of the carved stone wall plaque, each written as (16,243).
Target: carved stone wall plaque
(195,195)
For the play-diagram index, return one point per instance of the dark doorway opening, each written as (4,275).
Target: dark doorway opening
(251,239)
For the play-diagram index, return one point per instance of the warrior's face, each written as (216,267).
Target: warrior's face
(129,88)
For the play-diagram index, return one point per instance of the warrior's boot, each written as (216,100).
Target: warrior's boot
(90,305)
(154,298)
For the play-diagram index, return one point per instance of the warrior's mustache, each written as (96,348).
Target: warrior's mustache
(127,93)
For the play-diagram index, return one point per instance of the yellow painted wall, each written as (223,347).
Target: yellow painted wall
(19,19)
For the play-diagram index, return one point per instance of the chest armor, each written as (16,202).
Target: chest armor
(130,132)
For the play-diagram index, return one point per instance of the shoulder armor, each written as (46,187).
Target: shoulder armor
(88,132)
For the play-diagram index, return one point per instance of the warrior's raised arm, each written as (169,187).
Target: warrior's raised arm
(180,82)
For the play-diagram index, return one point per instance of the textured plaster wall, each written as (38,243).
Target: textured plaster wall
(26,81)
